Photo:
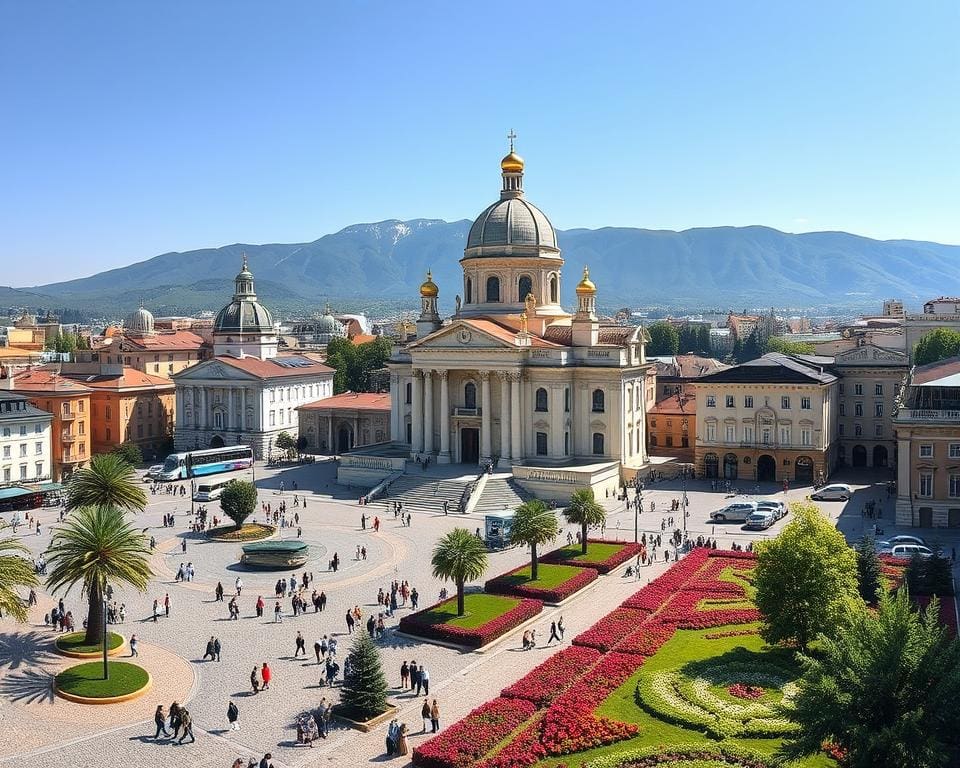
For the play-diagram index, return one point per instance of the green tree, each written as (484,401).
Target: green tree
(129,452)
(583,510)
(16,571)
(353,364)
(664,339)
(805,578)
(778,344)
(364,691)
(688,341)
(751,349)
(930,575)
(737,352)
(884,688)
(286,443)
(459,556)
(938,344)
(534,524)
(704,346)
(238,500)
(107,481)
(869,571)
(97,545)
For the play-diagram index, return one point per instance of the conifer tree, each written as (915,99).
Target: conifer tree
(868,569)
(364,692)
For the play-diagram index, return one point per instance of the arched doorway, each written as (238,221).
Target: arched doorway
(730,466)
(766,468)
(879,455)
(216,442)
(804,470)
(711,465)
(859,456)
(344,439)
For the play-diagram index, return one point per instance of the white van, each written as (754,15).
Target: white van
(209,491)
(906,551)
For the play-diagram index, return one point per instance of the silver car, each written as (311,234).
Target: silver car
(739,511)
(778,508)
(760,520)
(835,492)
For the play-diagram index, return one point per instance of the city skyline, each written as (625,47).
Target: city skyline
(139,132)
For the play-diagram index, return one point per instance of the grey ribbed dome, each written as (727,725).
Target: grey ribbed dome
(512,221)
(140,321)
(247,315)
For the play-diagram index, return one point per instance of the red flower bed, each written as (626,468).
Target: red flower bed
(523,750)
(653,596)
(733,554)
(547,681)
(627,550)
(682,609)
(731,633)
(742,691)
(707,579)
(475,735)
(647,640)
(610,673)
(612,629)
(501,585)
(570,726)
(475,637)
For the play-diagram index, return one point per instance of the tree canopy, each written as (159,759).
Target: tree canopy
(583,510)
(364,692)
(534,524)
(938,344)
(805,578)
(459,556)
(354,363)
(779,344)
(16,571)
(286,443)
(129,452)
(664,339)
(869,570)
(109,480)
(238,500)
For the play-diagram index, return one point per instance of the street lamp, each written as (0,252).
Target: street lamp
(106,668)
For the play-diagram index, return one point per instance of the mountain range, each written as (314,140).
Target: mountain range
(374,266)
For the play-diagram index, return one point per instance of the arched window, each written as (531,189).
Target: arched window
(470,395)
(409,393)
(598,401)
(525,287)
(554,290)
(493,289)
(541,400)
(469,291)
(598,443)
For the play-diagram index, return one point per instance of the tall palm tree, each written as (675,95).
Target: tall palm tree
(533,524)
(96,545)
(459,557)
(15,571)
(108,481)
(583,510)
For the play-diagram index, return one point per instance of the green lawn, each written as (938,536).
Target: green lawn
(74,642)
(87,679)
(595,552)
(479,608)
(548,576)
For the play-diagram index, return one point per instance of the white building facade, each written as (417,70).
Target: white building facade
(25,448)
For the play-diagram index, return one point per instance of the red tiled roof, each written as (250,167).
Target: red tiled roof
(161,341)
(360,401)
(273,368)
(502,332)
(131,378)
(47,380)
(675,404)
(694,366)
(363,338)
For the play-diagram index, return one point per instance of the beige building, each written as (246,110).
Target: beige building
(943,312)
(927,425)
(350,420)
(771,419)
(870,378)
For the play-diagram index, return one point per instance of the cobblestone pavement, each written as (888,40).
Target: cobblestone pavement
(38,730)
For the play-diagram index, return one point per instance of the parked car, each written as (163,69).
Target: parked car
(778,508)
(761,520)
(148,476)
(836,492)
(903,539)
(739,511)
(906,551)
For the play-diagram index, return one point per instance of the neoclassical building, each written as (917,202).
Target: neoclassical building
(513,378)
(247,393)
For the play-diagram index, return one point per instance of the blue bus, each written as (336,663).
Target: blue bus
(180,466)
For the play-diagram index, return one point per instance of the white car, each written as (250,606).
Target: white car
(148,475)
(906,551)
(835,492)
(904,539)
(761,520)
(778,508)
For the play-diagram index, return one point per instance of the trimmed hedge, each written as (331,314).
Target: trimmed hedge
(627,550)
(475,637)
(502,585)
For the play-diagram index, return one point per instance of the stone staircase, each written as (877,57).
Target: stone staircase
(499,494)
(425,493)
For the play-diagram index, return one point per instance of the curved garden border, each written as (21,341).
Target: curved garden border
(225,538)
(103,699)
(92,655)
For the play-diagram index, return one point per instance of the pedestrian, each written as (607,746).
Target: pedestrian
(161,720)
(425,714)
(210,651)
(554,634)
(415,677)
(156,609)
(216,647)
(239,585)
(186,720)
(255,680)
(277,613)
(301,646)
(560,627)
(233,715)
(404,675)
(166,604)
(425,679)
(434,717)
(350,622)
(266,674)
(134,651)
(175,719)
(265,761)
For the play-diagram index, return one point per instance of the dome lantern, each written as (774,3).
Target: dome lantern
(428,289)
(586,287)
(512,169)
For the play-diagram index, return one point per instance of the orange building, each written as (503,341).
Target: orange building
(69,402)
(671,427)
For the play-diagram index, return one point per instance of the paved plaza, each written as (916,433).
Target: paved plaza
(37,729)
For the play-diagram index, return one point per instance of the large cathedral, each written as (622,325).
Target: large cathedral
(512,379)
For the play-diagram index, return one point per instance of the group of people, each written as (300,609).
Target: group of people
(179,718)
(185,572)
(414,678)
(59,619)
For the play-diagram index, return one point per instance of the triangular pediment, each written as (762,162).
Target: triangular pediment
(213,369)
(870,354)
(466,334)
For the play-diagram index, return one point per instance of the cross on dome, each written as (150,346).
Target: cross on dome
(511,136)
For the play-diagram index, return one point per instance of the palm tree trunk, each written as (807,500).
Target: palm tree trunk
(94,634)
(583,536)
(461,608)
(533,562)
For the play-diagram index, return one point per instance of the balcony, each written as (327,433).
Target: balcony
(68,439)
(67,416)
(457,411)
(72,458)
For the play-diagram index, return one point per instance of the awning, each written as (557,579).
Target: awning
(47,487)
(14,492)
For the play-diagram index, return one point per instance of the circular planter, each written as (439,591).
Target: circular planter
(81,683)
(116,646)
(248,532)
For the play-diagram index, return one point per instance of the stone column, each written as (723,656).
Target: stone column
(428,412)
(505,427)
(205,409)
(230,417)
(486,408)
(356,431)
(396,408)
(516,437)
(416,417)
(444,457)
(330,447)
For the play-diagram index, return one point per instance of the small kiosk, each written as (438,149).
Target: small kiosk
(497,529)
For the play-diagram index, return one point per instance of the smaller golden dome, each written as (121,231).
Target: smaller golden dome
(512,163)
(586,286)
(429,288)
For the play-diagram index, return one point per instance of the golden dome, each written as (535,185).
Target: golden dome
(429,288)
(586,286)
(512,163)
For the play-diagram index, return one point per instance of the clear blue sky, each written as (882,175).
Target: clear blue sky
(130,129)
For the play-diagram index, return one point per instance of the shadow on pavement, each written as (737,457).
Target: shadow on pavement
(29,686)
(27,649)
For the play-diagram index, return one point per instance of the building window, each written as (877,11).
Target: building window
(541,443)
(23,449)
(540,400)
(955,450)
(785,403)
(926,484)
(493,289)
(878,430)
(858,389)
(711,433)
(273,396)
(841,387)
(857,430)
(6,451)
(843,409)
(955,486)
(748,401)
(38,429)
(598,401)
(23,471)
(748,434)
(926,451)
(554,290)
(140,429)
(653,423)
(470,395)
(765,436)
(804,403)
(731,433)
(878,410)
(858,409)
(524,287)
(840,429)
(805,437)
(728,401)
(408,393)
(39,468)
(6,474)
(598,443)
(878,390)
(711,401)
(669,441)
(566,400)
(469,291)
(653,441)
(23,427)
(784,435)
(80,406)
(273,418)
(106,412)
(684,442)
(38,449)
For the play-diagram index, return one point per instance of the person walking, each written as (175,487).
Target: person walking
(239,585)
(175,718)
(265,761)
(316,650)
(260,605)
(350,622)
(560,627)
(134,646)
(255,680)
(210,651)
(233,716)
(156,609)
(277,613)
(425,679)
(425,714)
(266,674)
(218,592)
(434,717)
(404,675)
(160,718)
(166,604)
(415,677)
(554,635)
(186,720)
(216,647)
(301,645)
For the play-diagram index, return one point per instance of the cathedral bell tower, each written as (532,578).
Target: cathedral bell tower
(429,320)
(586,326)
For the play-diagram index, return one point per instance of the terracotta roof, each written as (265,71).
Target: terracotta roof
(131,378)
(10,352)
(506,334)
(676,405)
(616,335)
(353,328)
(694,366)
(282,366)
(173,340)
(360,401)
(46,380)
(363,338)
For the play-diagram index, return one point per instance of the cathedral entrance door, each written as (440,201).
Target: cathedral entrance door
(469,445)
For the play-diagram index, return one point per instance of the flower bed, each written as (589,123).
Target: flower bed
(706,756)
(612,629)
(544,683)
(648,639)
(423,623)
(682,609)
(570,555)
(731,633)
(511,583)
(653,596)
